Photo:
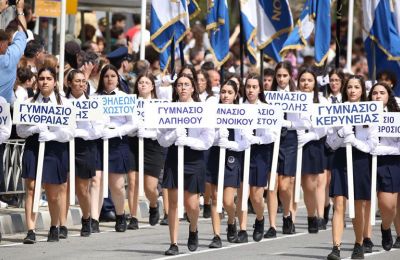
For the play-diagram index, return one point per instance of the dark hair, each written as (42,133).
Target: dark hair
(71,75)
(136,19)
(89,31)
(316,88)
(24,74)
(56,90)
(208,65)
(240,86)
(195,95)
(235,87)
(191,68)
(389,75)
(151,78)
(268,72)
(363,89)
(32,48)
(391,105)
(287,66)
(100,88)
(208,82)
(117,17)
(340,74)
(261,96)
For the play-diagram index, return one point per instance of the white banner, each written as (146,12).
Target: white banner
(359,113)
(118,105)
(143,103)
(88,110)
(269,116)
(4,113)
(290,102)
(235,116)
(172,115)
(389,125)
(43,114)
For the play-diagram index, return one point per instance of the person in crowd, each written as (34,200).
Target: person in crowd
(235,141)
(195,142)
(35,55)
(388,155)
(55,163)
(204,84)
(363,140)
(122,60)
(24,87)
(268,79)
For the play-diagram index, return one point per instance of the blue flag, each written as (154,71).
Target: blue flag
(249,26)
(382,37)
(193,8)
(218,27)
(315,17)
(169,23)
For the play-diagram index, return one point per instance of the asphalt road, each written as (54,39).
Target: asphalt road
(151,242)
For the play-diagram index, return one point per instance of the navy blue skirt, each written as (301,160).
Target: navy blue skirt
(233,167)
(85,158)
(329,154)
(361,174)
(288,154)
(153,156)
(119,159)
(314,159)
(194,170)
(55,163)
(388,179)
(260,164)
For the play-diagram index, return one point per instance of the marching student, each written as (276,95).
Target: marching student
(260,163)
(336,82)
(363,139)
(287,158)
(195,142)
(5,132)
(55,163)
(234,141)
(153,154)
(86,133)
(204,84)
(388,179)
(116,131)
(313,179)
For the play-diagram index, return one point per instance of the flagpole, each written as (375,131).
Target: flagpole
(262,67)
(350,36)
(241,43)
(339,6)
(142,30)
(172,58)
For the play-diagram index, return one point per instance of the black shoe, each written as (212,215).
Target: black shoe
(231,234)
(368,245)
(120,223)
(258,230)
(133,224)
(326,213)
(216,242)
(242,237)
(193,240)
(207,211)
(280,209)
(30,237)
(321,224)
(164,221)
(271,233)
(335,254)
(387,240)
(288,226)
(53,234)
(397,243)
(172,250)
(86,227)
(154,216)
(95,226)
(312,225)
(358,252)
(62,232)
(108,216)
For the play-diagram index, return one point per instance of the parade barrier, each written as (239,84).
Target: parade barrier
(42,114)
(86,110)
(389,126)
(289,102)
(114,105)
(179,115)
(344,114)
(141,107)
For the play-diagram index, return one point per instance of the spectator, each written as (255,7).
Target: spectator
(35,54)
(10,55)
(118,21)
(26,80)
(122,60)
